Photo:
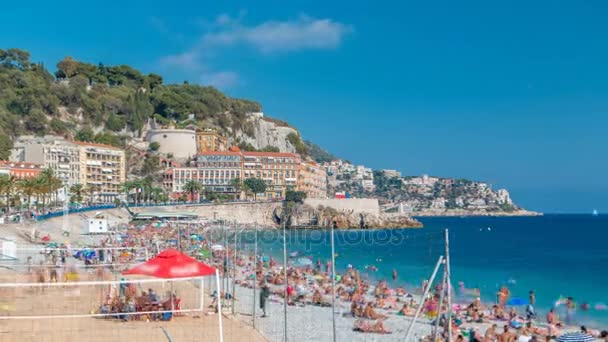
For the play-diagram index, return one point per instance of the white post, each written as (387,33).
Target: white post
(443,285)
(333,284)
(421,304)
(285,274)
(449,283)
(219,303)
(236,237)
(202,294)
(255,269)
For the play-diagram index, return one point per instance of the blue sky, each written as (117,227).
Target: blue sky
(510,92)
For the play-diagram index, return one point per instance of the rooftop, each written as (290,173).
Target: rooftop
(20,165)
(83,143)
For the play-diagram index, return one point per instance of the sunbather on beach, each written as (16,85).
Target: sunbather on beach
(367,327)
(370,313)
(507,335)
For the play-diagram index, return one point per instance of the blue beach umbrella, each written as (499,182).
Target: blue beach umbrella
(575,337)
(517,302)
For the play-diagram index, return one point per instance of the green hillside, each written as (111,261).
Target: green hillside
(81,96)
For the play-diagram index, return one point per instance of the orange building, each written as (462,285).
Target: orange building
(312,180)
(278,169)
(209,140)
(20,170)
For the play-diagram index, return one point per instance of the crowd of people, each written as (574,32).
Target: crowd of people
(371,303)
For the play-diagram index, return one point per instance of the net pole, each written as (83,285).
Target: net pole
(449,284)
(441,297)
(333,284)
(255,269)
(285,274)
(426,292)
(236,237)
(202,294)
(219,304)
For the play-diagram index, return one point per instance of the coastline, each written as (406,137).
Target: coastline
(469,213)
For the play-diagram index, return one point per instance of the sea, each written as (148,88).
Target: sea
(555,256)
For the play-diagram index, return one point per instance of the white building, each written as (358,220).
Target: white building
(56,153)
(392,173)
(503,197)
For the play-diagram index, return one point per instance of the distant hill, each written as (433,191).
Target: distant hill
(317,153)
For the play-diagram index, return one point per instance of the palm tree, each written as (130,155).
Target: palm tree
(76,192)
(91,192)
(237,185)
(7,186)
(146,188)
(157,193)
(126,188)
(27,186)
(192,187)
(41,189)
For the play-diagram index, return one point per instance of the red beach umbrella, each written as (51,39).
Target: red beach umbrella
(172,264)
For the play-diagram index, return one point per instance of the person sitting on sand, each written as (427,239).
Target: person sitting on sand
(552,318)
(367,327)
(370,313)
(490,334)
(317,298)
(405,311)
(507,336)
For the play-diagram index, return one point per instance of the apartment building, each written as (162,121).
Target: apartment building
(312,180)
(279,170)
(51,152)
(217,169)
(209,140)
(103,169)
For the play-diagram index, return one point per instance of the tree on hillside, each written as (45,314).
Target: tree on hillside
(256,186)
(295,196)
(85,134)
(154,146)
(6,144)
(296,142)
(66,67)
(154,80)
(193,187)
(16,58)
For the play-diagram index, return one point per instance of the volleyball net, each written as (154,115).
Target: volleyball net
(82,309)
(22,259)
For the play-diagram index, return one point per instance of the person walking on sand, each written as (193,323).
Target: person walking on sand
(530,311)
(264,294)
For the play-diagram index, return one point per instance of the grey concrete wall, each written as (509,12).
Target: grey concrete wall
(356,205)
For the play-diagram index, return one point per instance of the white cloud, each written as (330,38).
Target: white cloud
(279,36)
(270,37)
(221,79)
(189,61)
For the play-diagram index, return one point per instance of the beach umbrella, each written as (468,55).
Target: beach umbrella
(172,264)
(517,302)
(575,337)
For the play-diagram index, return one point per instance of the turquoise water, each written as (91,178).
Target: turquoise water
(553,255)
